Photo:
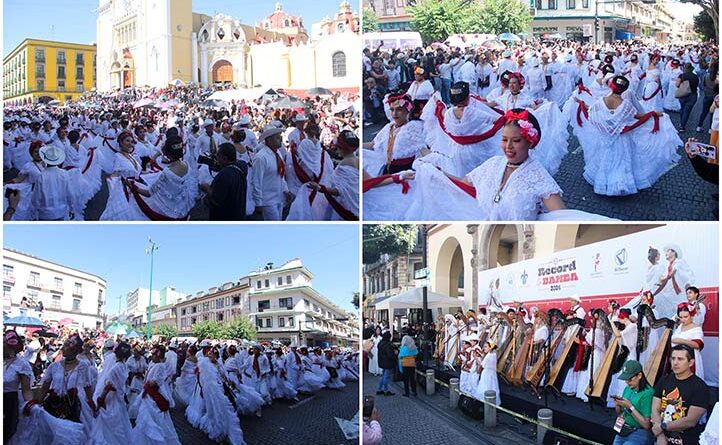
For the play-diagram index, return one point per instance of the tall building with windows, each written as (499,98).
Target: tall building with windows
(65,292)
(44,70)
(280,301)
(285,307)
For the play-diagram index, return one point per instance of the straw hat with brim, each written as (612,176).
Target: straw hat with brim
(630,369)
(270,131)
(52,155)
(208,122)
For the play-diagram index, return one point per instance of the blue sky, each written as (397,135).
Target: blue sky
(195,257)
(74,21)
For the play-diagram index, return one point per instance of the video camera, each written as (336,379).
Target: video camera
(209,160)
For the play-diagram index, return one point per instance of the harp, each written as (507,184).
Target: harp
(536,370)
(610,362)
(505,331)
(561,365)
(656,363)
(523,345)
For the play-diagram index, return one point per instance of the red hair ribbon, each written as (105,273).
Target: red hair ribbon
(687,307)
(622,315)
(401,100)
(526,128)
(518,76)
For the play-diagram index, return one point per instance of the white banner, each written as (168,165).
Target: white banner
(619,268)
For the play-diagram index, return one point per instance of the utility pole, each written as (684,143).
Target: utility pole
(150,250)
(425,294)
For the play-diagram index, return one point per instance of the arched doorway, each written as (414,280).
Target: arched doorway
(222,72)
(503,245)
(449,269)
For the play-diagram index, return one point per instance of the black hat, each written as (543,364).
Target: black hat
(607,69)
(459,92)
(347,139)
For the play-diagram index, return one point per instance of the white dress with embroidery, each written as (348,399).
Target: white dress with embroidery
(408,142)
(171,195)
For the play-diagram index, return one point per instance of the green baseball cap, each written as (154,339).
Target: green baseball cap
(630,369)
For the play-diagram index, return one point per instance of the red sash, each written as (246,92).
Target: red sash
(344,213)
(145,208)
(471,139)
(370,183)
(644,74)
(659,88)
(469,189)
(643,119)
(301,173)
(90,161)
(280,165)
(582,109)
(152,391)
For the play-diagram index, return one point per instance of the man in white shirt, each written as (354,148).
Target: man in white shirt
(269,170)
(208,141)
(467,73)
(297,134)
(251,139)
(52,196)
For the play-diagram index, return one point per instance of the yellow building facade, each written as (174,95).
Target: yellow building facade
(43,70)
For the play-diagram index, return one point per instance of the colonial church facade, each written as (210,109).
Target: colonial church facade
(149,43)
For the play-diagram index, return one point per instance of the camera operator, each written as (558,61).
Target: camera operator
(226,196)
(372,434)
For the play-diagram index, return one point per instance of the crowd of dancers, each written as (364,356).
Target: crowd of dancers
(243,160)
(126,396)
(478,134)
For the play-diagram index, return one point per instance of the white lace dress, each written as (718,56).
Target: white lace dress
(408,142)
(112,424)
(670,102)
(78,378)
(117,207)
(154,424)
(477,118)
(652,92)
(172,196)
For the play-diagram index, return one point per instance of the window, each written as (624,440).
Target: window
(193,320)
(61,72)
(34,279)
(183,311)
(58,284)
(219,303)
(7,291)
(193,310)
(219,316)
(285,303)
(280,281)
(61,57)
(288,279)
(552,4)
(55,304)
(40,70)
(281,322)
(40,84)
(259,322)
(290,321)
(39,55)
(268,283)
(8,271)
(571,4)
(78,289)
(585,3)
(538,4)
(79,87)
(258,284)
(206,305)
(306,304)
(338,62)
(236,299)
(76,304)
(269,322)
(79,72)
(264,305)
(79,60)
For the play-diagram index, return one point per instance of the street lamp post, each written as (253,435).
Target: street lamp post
(150,250)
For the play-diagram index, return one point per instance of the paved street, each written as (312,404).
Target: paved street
(679,195)
(310,421)
(428,420)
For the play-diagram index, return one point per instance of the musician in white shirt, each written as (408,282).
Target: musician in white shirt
(208,141)
(700,309)
(270,190)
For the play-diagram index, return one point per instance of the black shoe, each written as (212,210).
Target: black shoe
(389,393)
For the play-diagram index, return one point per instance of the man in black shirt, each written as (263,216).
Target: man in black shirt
(226,198)
(687,102)
(680,400)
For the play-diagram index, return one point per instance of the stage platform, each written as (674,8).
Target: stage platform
(590,421)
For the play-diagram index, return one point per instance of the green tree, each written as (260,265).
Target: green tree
(239,328)
(167,330)
(704,26)
(393,239)
(498,16)
(208,329)
(711,8)
(436,20)
(370,21)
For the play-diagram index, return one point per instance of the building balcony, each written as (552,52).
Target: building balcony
(57,289)
(78,293)
(35,284)
(9,278)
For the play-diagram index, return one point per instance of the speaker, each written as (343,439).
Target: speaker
(471,407)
